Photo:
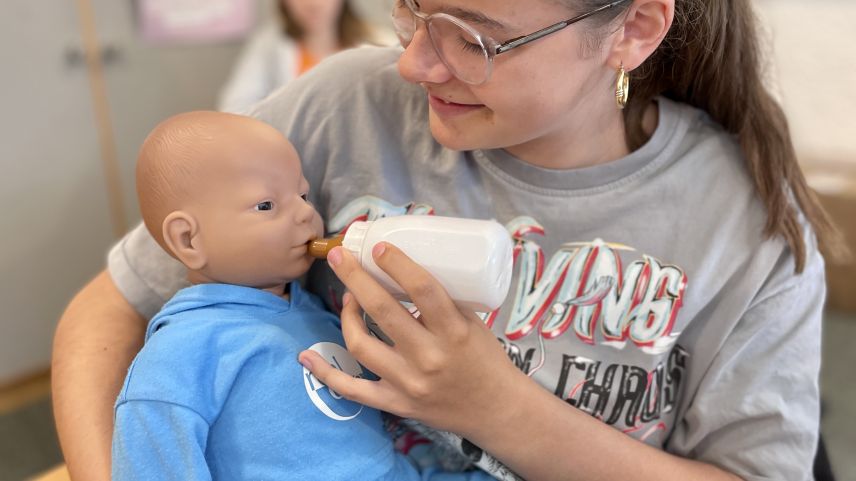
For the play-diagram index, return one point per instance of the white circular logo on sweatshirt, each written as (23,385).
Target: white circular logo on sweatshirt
(329,402)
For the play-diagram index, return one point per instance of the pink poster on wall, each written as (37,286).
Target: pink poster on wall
(195,21)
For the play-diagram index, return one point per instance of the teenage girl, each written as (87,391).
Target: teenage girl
(664,322)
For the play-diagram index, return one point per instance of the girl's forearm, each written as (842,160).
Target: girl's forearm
(96,339)
(541,437)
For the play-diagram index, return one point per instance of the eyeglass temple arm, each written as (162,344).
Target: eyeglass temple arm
(516,42)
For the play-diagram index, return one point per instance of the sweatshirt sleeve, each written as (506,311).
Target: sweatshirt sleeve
(757,412)
(145,275)
(158,440)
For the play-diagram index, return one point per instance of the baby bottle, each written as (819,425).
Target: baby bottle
(471,258)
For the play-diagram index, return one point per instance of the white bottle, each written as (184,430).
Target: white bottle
(471,258)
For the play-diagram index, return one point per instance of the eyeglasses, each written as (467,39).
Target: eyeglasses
(467,53)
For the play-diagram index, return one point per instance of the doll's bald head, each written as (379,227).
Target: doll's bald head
(178,157)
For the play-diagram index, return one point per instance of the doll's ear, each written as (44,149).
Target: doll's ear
(179,229)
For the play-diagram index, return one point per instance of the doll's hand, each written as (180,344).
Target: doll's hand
(446,368)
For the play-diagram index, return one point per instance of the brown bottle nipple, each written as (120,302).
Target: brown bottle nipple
(319,248)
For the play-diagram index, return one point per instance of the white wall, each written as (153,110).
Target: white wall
(376,11)
(813,46)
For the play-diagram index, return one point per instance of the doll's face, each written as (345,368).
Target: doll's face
(254,220)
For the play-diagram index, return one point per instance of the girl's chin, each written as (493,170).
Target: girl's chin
(454,139)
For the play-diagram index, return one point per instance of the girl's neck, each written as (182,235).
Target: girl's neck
(595,142)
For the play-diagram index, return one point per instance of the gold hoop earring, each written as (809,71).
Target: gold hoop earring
(622,87)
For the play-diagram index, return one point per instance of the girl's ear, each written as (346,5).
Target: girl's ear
(179,230)
(645,26)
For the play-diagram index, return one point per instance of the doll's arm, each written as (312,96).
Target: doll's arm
(159,440)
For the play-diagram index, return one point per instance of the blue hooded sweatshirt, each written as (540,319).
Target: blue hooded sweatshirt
(217,393)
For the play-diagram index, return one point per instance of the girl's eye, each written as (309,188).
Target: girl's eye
(266,205)
(470,47)
(305,197)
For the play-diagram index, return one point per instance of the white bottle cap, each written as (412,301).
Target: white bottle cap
(354,238)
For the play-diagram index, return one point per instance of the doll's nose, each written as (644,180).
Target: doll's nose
(306,214)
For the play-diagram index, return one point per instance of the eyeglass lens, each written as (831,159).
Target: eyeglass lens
(460,49)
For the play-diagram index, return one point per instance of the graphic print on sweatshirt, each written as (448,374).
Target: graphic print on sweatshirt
(594,321)
(329,402)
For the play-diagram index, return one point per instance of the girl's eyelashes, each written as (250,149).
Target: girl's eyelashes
(266,205)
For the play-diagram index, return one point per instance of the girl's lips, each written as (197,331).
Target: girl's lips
(449,109)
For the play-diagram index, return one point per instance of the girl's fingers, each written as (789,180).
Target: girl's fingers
(375,394)
(370,351)
(386,311)
(441,315)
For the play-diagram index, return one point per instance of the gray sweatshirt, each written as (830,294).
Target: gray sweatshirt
(644,291)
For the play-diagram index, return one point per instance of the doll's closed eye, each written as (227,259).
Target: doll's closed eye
(266,205)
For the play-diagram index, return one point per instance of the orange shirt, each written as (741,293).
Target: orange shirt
(307,61)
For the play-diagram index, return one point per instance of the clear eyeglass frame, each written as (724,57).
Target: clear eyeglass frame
(405,15)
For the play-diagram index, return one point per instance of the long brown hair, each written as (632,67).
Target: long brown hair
(352,31)
(711,59)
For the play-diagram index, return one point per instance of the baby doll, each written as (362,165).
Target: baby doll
(217,392)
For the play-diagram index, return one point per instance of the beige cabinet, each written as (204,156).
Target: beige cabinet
(54,221)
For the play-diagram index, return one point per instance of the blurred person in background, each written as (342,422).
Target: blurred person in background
(305,33)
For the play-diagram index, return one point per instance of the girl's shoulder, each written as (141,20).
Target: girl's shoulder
(701,150)
(347,87)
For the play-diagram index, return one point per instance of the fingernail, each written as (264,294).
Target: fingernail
(305,362)
(346,299)
(334,257)
(379,249)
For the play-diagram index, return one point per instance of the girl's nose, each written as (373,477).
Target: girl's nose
(420,62)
